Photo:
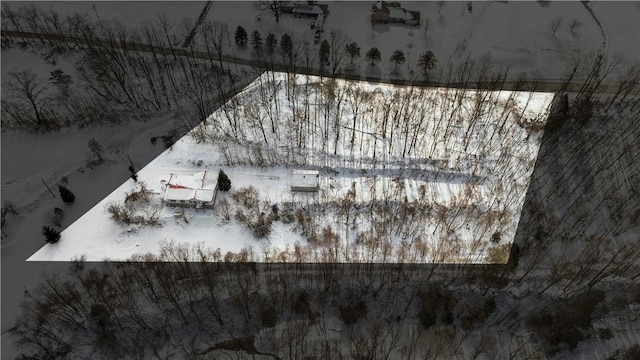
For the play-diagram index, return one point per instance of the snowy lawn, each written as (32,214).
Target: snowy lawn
(542,37)
(439,183)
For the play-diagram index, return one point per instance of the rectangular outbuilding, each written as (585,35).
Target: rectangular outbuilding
(305,180)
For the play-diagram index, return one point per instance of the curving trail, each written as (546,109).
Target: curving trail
(605,43)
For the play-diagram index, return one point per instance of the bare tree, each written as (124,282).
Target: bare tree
(274,7)
(216,38)
(96,149)
(9,16)
(26,85)
(324,53)
(337,42)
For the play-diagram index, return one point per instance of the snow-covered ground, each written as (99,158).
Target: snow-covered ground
(517,35)
(21,152)
(483,168)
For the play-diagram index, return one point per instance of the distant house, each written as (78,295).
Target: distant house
(307,8)
(305,180)
(379,17)
(197,190)
(385,12)
(412,17)
(396,15)
(384,5)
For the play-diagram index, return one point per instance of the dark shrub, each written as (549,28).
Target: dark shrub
(241,36)
(169,138)
(605,333)
(632,353)
(350,314)
(479,311)
(224,183)
(274,212)
(435,304)
(514,257)
(269,316)
(301,304)
(51,235)
(66,194)
(262,227)
(567,322)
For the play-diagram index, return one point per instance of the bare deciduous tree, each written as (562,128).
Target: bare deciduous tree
(337,42)
(273,7)
(31,90)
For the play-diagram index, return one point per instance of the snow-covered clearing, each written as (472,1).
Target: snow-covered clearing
(456,174)
(527,46)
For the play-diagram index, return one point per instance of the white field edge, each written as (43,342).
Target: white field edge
(96,237)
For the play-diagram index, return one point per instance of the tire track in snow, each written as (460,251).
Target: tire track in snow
(461,47)
(604,49)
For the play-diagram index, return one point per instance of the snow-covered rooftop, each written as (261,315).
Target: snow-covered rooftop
(184,194)
(396,13)
(305,178)
(307,9)
(199,180)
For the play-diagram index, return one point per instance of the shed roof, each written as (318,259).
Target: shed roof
(305,178)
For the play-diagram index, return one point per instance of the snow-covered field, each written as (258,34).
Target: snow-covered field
(470,172)
(517,35)
(526,45)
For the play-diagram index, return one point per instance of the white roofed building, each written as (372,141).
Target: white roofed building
(197,190)
(305,180)
(313,10)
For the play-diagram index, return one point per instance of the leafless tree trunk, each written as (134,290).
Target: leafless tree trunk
(31,90)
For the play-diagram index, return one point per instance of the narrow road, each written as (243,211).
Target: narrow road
(540,86)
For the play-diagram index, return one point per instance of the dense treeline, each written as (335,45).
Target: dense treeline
(152,308)
(116,80)
(170,306)
(151,68)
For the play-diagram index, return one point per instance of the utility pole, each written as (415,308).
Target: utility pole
(45,184)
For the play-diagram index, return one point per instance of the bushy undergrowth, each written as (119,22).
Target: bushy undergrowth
(135,209)
(566,323)
(351,313)
(630,353)
(436,306)
(57,217)
(256,215)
